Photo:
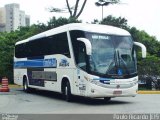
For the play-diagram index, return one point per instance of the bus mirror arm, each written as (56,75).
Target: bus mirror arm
(144,51)
(87,45)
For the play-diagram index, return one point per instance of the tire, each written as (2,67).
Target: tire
(107,99)
(67,92)
(25,86)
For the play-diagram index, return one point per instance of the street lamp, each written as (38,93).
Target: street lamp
(104,3)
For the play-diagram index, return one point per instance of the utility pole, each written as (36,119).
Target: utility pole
(103,3)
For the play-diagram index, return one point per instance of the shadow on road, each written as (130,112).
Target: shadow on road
(98,101)
(77,99)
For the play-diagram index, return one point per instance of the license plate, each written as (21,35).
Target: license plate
(117,92)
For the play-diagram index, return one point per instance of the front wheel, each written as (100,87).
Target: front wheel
(67,92)
(25,86)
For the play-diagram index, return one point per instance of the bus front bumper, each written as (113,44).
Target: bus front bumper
(96,91)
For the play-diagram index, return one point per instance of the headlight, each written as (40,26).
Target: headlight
(95,82)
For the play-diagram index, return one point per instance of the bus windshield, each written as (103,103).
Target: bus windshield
(112,55)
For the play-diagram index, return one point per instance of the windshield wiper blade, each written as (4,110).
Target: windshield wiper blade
(120,59)
(114,61)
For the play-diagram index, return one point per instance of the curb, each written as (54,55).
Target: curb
(15,86)
(148,92)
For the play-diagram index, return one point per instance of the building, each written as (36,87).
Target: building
(2,19)
(22,18)
(27,20)
(2,15)
(14,18)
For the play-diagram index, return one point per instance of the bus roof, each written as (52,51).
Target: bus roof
(80,26)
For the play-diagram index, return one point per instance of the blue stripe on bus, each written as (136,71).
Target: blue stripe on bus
(36,63)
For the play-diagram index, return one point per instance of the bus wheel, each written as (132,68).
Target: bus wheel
(67,92)
(107,99)
(25,86)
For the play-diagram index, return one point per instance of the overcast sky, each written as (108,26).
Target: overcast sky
(143,14)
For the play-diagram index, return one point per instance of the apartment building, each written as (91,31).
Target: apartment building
(14,17)
(27,20)
(2,19)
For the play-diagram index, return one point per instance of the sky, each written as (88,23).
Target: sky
(143,14)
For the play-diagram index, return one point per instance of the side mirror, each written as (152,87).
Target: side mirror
(144,50)
(87,44)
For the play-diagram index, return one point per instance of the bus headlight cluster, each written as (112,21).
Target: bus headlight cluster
(95,82)
(114,84)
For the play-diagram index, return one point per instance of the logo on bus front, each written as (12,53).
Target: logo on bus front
(64,63)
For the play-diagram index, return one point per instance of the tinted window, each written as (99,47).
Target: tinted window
(79,48)
(20,50)
(75,43)
(56,44)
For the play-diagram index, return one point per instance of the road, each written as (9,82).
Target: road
(19,102)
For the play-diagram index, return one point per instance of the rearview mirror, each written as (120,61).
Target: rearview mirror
(143,48)
(87,45)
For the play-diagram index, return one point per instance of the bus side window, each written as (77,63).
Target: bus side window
(81,61)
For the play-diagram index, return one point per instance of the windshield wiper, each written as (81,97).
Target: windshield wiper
(120,59)
(114,61)
(117,60)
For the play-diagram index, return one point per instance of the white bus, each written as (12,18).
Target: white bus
(89,60)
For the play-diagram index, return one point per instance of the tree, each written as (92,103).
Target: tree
(73,11)
(117,22)
(149,71)
(113,21)
(54,22)
(152,44)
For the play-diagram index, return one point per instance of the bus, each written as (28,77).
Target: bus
(90,60)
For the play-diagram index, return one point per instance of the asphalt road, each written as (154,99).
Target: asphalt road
(43,102)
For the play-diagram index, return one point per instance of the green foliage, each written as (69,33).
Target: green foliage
(152,44)
(149,66)
(6,53)
(7,42)
(52,23)
(113,21)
